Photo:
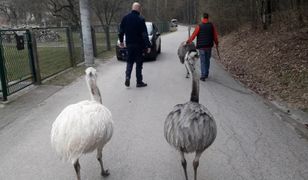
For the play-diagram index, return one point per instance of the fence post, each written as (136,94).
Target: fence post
(2,73)
(70,45)
(167,26)
(94,41)
(32,47)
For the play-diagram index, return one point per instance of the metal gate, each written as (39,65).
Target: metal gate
(16,61)
(53,49)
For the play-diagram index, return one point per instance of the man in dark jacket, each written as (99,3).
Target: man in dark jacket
(137,40)
(206,36)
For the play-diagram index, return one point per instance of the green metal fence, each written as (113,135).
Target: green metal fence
(100,40)
(44,53)
(16,65)
(53,50)
(77,45)
(163,26)
(29,56)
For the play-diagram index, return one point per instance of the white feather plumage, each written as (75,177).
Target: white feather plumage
(81,128)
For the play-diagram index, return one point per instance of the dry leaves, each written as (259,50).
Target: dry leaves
(273,64)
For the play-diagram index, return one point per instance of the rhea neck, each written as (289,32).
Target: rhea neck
(94,91)
(194,96)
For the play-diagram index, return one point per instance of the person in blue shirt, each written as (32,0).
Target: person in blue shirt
(137,40)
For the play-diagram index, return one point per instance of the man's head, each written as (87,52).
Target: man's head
(136,6)
(205,15)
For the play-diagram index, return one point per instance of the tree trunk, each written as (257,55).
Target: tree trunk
(107,33)
(263,14)
(253,14)
(86,32)
(269,11)
(299,13)
(198,15)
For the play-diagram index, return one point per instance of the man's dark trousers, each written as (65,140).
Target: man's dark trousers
(134,55)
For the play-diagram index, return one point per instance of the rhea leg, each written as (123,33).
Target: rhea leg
(187,72)
(99,158)
(184,164)
(196,164)
(77,169)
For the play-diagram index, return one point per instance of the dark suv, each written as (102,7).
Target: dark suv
(154,37)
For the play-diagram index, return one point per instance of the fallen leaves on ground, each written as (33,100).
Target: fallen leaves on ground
(272,63)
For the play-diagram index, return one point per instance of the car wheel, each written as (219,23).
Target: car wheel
(154,53)
(159,49)
(119,58)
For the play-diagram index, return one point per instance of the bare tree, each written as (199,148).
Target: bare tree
(106,11)
(9,12)
(21,12)
(13,10)
(66,10)
(253,14)
(85,17)
(37,11)
(299,13)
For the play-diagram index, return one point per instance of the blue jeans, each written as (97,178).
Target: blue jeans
(205,56)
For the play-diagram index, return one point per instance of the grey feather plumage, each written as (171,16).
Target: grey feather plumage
(190,127)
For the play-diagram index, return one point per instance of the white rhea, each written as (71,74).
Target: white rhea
(83,127)
(190,127)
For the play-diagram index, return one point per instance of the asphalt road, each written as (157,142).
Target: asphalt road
(254,141)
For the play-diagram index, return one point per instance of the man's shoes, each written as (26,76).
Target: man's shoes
(141,84)
(127,82)
(203,78)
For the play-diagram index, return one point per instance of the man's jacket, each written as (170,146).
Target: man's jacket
(134,28)
(206,34)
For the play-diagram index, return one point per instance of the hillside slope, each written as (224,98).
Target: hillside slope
(272,63)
